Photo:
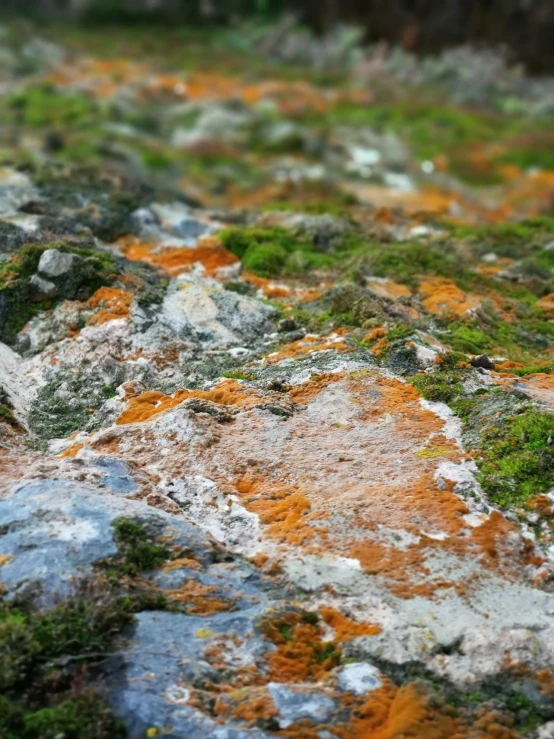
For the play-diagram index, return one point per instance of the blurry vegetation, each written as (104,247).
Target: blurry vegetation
(272,252)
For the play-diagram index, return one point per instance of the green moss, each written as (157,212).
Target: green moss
(337,207)
(81,717)
(6,412)
(137,549)
(270,252)
(95,269)
(439,386)
(469,339)
(266,259)
(533,369)
(518,458)
(509,239)
(43,105)
(45,657)
(329,651)
(407,262)
(32,639)
(286,631)
(526,340)
(238,374)
(310,617)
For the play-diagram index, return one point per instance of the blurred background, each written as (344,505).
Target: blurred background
(442,107)
(525,27)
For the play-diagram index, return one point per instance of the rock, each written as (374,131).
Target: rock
(166,652)
(43,289)
(359,678)
(482,361)
(55,263)
(295,705)
(287,324)
(325,231)
(117,477)
(54,531)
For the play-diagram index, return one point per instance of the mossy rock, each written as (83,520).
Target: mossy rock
(17,300)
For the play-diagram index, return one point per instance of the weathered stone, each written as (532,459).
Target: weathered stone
(359,678)
(295,705)
(53,532)
(54,263)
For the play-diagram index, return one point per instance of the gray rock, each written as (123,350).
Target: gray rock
(359,678)
(294,705)
(117,477)
(54,531)
(146,681)
(55,263)
(43,288)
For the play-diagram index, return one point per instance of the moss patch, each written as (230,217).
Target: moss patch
(18,304)
(270,252)
(439,387)
(42,652)
(138,550)
(518,457)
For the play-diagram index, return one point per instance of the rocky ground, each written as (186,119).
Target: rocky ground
(276,395)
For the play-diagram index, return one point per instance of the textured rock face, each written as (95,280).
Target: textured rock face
(268,470)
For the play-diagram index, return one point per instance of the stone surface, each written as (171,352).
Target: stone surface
(306,364)
(54,263)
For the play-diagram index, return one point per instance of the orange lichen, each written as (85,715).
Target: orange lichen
(246,705)
(210,253)
(376,333)
(177,564)
(388,289)
(115,303)
(307,345)
(307,391)
(509,365)
(199,599)
(345,628)
(546,303)
(301,654)
(379,347)
(391,713)
(443,296)
(146,405)
(72,450)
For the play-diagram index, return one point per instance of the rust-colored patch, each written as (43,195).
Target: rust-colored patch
(210,253)
(443,296)
(115,303)
(388,289)
(146,405)
(345,628)
(307,345)
(72,450)
(546,303)
(199,599)
(391,713)
(301,654)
